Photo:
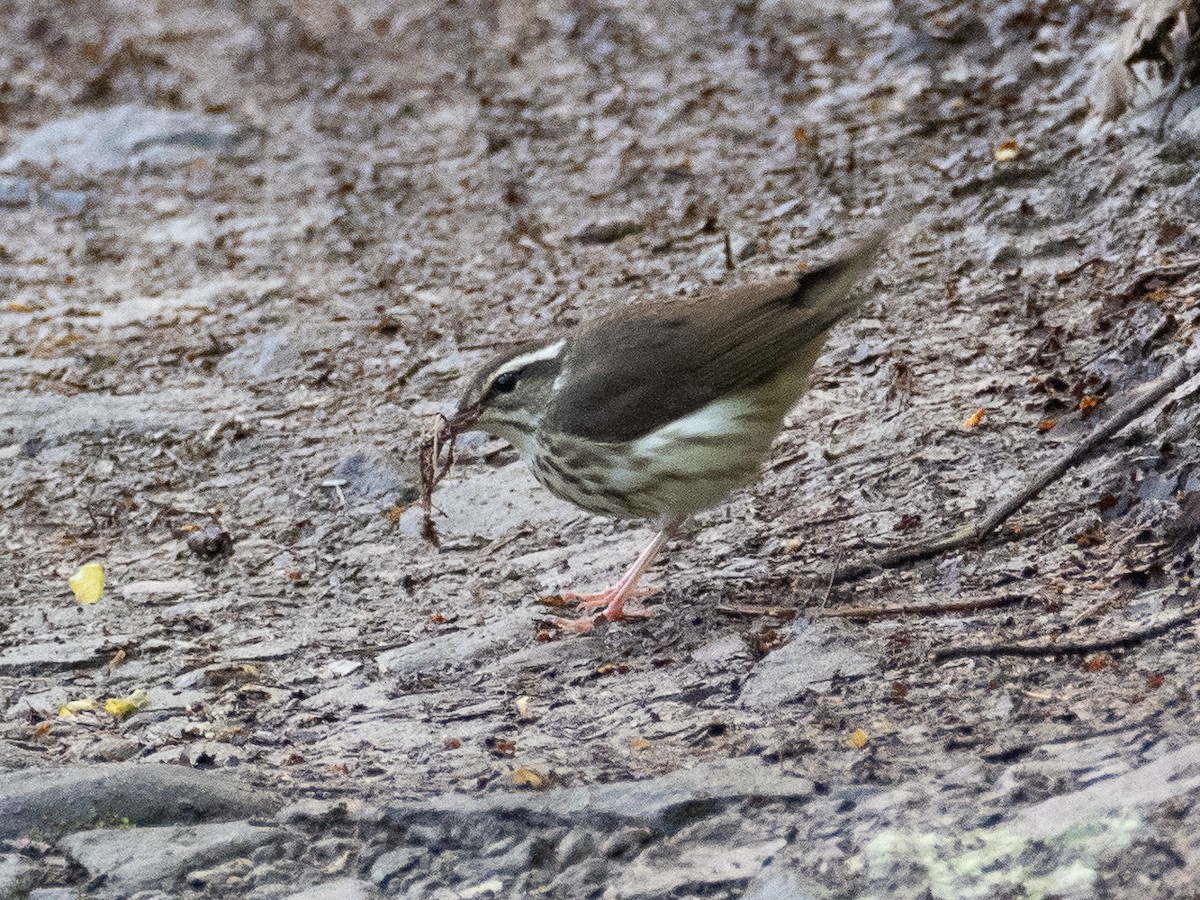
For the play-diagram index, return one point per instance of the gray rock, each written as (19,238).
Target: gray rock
(41,659)
(581,880)
(395,862)
(341,889)
(270,354)
(58,893)
(664,805)
(624,843)
(1065,841)
(740,248)
(13,868)
(577,846)
(815,653)
(311,812)
(608,231)
(777,883)
(15,192)
(114,138)
(693,868)
(234,871)
(132,859)
(53,800)
(455,648)
(13,757)
(63,203)
(1174,775)
(367,476)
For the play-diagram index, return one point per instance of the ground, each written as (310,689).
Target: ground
(270,240)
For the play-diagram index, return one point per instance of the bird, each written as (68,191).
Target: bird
(657,410)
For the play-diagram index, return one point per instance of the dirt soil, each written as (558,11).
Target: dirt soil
(250,337)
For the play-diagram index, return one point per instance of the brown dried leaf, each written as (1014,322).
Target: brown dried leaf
(1092,536)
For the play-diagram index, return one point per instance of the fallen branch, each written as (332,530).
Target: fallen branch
(925,609)
(1181,371)
(1066,648)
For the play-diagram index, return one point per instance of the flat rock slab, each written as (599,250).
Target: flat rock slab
(814,654)
(55,656)
(458,648)
(57,800)
(695,869)
(341,889)
(132,859)
(124,135)
(664,804)
(1058,847)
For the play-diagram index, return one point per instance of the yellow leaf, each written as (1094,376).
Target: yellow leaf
(523,706)
(639,743)
(858,739)
(1007,151)
(68,710)
(974,419)
(120,707)
(88,583)
(528,778)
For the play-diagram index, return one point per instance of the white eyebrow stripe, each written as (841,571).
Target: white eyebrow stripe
(542,353)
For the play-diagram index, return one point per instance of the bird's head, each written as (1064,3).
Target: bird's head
(509,395)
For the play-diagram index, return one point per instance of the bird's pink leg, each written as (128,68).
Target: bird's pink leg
(613,599)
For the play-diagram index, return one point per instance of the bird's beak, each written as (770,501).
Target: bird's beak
(461,421)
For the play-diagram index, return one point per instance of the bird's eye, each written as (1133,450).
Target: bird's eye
(505,383)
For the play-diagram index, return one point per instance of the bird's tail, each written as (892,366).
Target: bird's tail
(829,286)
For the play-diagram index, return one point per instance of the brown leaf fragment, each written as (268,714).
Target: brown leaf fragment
(1047,424)
(500,746)
(1092,536)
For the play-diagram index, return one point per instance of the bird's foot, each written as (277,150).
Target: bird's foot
(584,624)
(603,599)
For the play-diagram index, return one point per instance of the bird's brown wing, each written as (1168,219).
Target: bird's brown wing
(635,371)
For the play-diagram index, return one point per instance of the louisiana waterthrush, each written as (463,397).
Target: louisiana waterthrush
(659,410)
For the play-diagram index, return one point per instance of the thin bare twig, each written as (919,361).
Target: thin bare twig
(748,609)
(926,609)
(1181,371)
(440,434)
(1067,648)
